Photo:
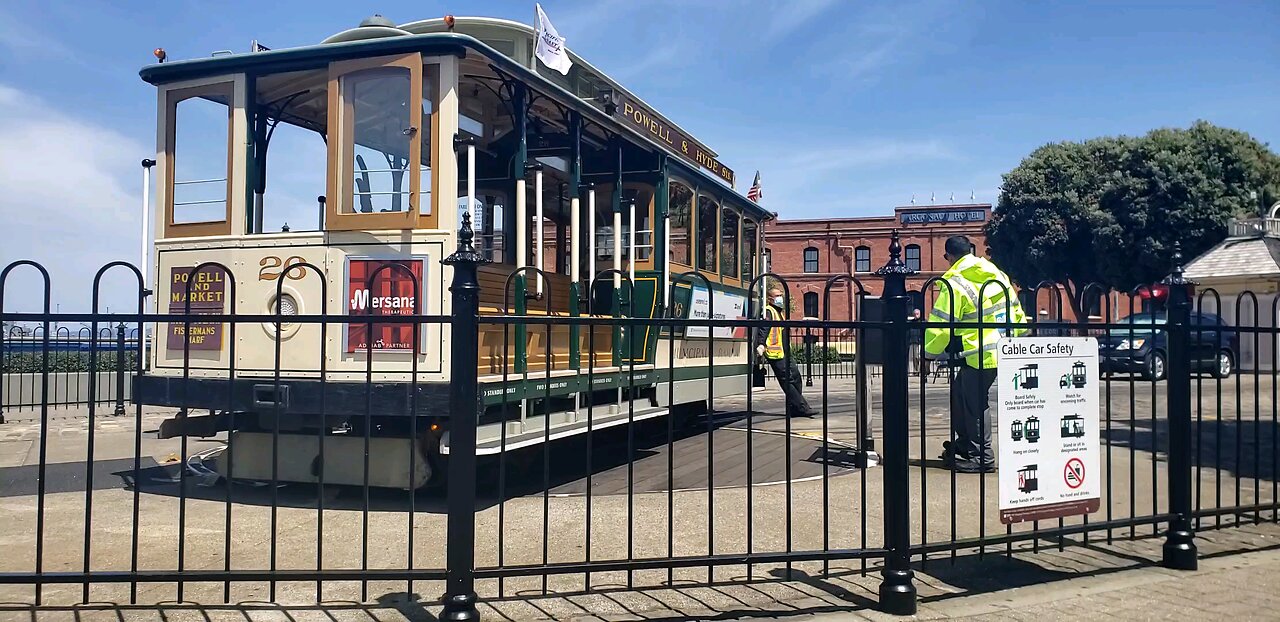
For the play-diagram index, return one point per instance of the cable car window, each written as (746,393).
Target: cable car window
(708,228)
(424,135)
(382,133)
(201,156)
(750,248)
(644,232)
(729,243)
(680,206)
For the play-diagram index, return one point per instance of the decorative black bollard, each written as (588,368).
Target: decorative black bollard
(120,358)
(808,356)
(897,591)
(1179,545)
(464,405)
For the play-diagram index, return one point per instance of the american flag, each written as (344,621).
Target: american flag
(755,194)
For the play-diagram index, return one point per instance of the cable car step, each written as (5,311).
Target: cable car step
(534,430)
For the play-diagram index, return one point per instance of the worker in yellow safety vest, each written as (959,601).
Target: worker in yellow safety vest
(771,346)
(973,290)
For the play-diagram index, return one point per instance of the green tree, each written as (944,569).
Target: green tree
(1109,210)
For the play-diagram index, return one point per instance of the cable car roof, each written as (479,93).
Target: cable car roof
(394,40)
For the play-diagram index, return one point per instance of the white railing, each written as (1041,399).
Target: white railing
(1253,227)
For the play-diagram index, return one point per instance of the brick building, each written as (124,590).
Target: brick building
(807,253)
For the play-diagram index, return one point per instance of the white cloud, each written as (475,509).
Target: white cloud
(69,198)
(884,36)
(782,20)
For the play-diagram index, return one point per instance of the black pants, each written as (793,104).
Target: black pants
(789,379)
(969,420)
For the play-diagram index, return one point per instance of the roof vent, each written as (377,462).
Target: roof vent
(377,20)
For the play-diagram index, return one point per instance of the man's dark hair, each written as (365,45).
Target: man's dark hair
(959,246)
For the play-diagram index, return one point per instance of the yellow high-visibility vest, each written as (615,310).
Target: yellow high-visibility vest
(974,288)
(773,348)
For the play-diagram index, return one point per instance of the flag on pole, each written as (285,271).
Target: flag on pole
(755,194)
(551,45)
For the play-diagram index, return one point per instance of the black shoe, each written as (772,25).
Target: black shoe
(969,466)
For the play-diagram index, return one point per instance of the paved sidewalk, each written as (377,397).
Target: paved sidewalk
(1243,586)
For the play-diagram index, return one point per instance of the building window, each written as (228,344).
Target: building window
(913,257)
(811,304)
(862,259)
(810,260)
(768,260)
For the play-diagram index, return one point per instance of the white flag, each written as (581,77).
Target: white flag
(551,45)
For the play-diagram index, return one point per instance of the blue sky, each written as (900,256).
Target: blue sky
(847,108)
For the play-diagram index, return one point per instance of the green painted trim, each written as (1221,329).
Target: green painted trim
(522,330)
(493,393)
(250,143)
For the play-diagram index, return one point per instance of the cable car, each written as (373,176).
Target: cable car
(1032,429)
(1030,376)
(399,130)
(1015,429)
(1078,375)
(1072,426)
(1028,478)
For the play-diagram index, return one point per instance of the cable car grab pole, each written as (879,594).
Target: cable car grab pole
(537,220)
(145,255)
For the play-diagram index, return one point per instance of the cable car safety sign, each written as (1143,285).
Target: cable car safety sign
(1047,395)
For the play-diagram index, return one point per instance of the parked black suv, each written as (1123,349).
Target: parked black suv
(1144,348)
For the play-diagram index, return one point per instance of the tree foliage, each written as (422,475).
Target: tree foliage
(1109,210)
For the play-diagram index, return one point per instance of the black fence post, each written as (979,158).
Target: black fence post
(120,358)
(897,591)
(464,404)
(1179,544)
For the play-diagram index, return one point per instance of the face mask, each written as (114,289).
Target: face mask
(777,301)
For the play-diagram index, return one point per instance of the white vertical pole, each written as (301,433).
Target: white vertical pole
(471,184)
(575,231)
(538,242)
(591,237)
(631,239)
(144,257)
(617,249)
(522,226)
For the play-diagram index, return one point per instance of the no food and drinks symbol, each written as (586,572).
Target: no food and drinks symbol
(1073,473)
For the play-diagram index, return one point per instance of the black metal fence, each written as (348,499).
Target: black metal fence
(616,472)
(65,361)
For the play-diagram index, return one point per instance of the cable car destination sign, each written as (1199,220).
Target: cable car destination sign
(1047,391)
(650,124)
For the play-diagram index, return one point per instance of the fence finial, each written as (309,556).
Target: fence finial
(1177,276)
(895,264)
(466,249)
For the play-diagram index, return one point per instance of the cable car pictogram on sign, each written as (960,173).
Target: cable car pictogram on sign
(1032,429)
(1072,426)
(1015,429)
(1028,480)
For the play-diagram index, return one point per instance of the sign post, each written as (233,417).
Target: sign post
(1048,428)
